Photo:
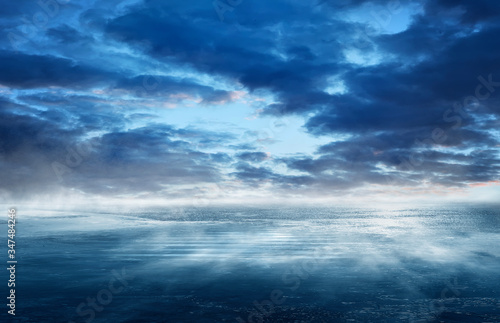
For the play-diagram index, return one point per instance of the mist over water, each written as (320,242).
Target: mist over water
(248,264)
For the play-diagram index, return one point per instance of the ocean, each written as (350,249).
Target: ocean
(258,264)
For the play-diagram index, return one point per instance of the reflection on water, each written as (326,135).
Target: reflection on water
(262,265)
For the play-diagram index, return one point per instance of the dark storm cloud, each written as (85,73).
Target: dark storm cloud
(361,164)
(85,112)
(247,171)
(45,151)
(24,71)
(15,9)
(162,86)
(430,94)
(472,12)
(31,71)
(26,142)
(67,34)
(397,96)
(391,108)
(144,159)
(293,71)
(255,157)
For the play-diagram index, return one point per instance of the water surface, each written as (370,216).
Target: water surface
(275,264)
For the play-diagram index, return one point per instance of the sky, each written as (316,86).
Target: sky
(250,101)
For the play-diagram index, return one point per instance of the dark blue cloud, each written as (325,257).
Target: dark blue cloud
(21,70)
(249,55)
(255,157)
(472,12)
(67,34)
(413,106)
(48,150)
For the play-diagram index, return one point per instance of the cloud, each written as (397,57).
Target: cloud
(255,157)
(412,106)
(51,150)
(478,12)
(291,69)
(172,89)
(21,70)
(67,34)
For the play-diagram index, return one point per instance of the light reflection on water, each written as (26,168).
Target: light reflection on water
(387,261)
